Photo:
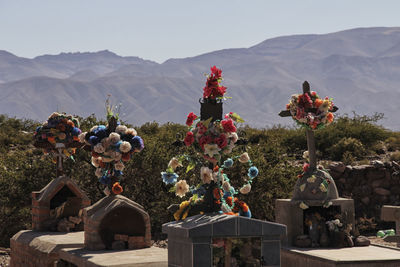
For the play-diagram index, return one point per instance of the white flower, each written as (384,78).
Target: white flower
(312,179)
(244,158)
(121,129)
(96,161)
(245,189)
(114,137)
(106,142)
(119,166)
(131,131)
(54,114)
(174,163)
(125,147)
(226,186)
(306,155)
(206,175)
(107,156)
(302,187)
(234,137)
(211,150)
(98,172)
(82,137)
(99,148)
(115,155)
(225,208)
(181,188)
(106,191)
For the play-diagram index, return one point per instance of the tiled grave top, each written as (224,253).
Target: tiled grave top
(220,225)
(51,189)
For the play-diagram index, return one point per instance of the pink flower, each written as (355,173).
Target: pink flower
(228,125)
(189,139)
(305,167)
(191,117)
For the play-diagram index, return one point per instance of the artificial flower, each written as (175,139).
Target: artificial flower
(181,188)
(131,131)
(228,125)
(244,158)
(323,187)
(206,175)
(211,150)
(245,189)
(221,141)
(303,206)
(137,143)
(189,139)
(228,163)
(125,147)
(234,137)
(302,187)
(98,172)
(312,179)
(119,166)
(205,140)
(169,177)
(174,163)
(253,172)
(117,188)
(99,148)
(305,167)
(191,117)
(114,137)
(96,161)
(306,155)
(121,129)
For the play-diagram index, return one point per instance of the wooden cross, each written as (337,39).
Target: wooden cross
(309,133)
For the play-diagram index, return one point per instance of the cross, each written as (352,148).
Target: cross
(59,156)
(309,133)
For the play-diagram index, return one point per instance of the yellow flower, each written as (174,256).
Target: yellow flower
(303,206)
(183,207)
(311,179)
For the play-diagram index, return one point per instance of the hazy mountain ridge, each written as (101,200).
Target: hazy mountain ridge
(359,68)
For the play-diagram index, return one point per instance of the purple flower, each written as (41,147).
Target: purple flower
(137,143)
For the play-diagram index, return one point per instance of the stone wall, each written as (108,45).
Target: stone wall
(371,186)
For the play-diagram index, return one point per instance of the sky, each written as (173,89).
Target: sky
(163,29)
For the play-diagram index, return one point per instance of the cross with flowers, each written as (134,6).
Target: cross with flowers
(311,112)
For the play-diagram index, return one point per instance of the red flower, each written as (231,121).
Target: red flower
(228,125)
(305,101)
(201,128)
(305,167)
(189,139)
(191,117)
(205,140)
(221,141)
(221,90)
(216,72)
(126,156)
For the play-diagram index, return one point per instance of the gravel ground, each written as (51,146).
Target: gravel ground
(4,257)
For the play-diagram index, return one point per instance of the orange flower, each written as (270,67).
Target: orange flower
(318,102)
(216,168)
(117,189)
(126,156)
(76,138)
(71,123)
(287,106)
(329,117)
(51,139)
(60,127)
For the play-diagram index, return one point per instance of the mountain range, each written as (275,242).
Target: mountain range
(358,68)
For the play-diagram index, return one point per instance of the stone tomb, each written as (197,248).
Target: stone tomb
(116,222)
(56,207)
(216,239)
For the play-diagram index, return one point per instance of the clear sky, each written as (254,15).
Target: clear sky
(162,29)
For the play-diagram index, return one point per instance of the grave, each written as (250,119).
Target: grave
(315,198)
(392,214)
(221,240)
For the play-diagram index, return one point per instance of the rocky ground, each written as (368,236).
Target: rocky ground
(4,257)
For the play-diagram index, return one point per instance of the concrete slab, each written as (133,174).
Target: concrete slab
(371,256)
(147,257)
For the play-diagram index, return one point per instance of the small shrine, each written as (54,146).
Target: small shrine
(316,215)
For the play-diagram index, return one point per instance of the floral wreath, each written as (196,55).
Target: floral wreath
(310,111)
(59,128)
(111,146)
(212,140)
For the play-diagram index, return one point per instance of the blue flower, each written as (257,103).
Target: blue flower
(169,177)
(94,140)
(228,163)
(117,173)
(201,191)
(75,131)
(253,172)
(137,143)
(105,180)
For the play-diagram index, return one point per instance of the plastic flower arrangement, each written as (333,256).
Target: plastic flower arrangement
(213,140)
(111,145)
(58,129)
(310,111)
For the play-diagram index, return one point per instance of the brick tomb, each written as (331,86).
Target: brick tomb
(116,222)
